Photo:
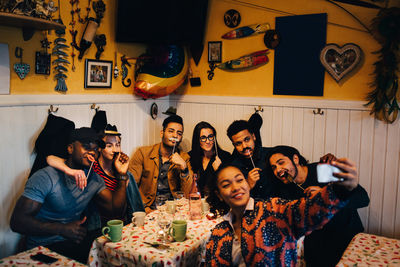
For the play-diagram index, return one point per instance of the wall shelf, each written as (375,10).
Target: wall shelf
(28,24)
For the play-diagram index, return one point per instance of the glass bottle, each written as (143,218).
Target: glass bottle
(195,210)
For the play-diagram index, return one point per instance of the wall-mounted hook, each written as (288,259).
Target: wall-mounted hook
(93,106)
(52,110)
(318,111)
(259,109)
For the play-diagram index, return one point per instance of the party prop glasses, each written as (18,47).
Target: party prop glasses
(204,138)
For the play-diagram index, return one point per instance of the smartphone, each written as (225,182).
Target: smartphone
(43,258)
(325,173)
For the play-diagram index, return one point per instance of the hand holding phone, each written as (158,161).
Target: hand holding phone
(325,173)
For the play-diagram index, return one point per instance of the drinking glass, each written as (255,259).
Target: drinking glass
(179,198)
(160,200)
(164,220)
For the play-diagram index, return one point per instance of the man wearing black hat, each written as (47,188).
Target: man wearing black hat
(52,205)
(162,169)
(104,167)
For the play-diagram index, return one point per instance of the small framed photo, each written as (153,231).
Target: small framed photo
(215,52)
(98,73)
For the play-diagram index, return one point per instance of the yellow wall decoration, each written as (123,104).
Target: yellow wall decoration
(341,29)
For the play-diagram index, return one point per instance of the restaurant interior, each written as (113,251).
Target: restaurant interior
(318,106)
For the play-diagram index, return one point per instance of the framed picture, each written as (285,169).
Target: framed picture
(215,52)
(98,73)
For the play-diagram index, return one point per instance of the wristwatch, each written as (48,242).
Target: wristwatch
(123,177)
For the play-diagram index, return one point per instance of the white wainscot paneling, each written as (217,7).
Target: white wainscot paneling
(23,117)
(345,129)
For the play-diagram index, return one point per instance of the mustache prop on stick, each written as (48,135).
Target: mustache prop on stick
(176,141)
(290,178)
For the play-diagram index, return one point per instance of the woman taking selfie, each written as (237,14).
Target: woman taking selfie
(206,156)
(264,233)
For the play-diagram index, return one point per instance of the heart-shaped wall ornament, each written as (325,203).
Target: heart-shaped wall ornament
(340,61)
(22,69)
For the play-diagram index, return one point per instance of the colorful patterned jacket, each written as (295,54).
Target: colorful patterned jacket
(269,232)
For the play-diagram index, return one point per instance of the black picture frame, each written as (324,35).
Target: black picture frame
(98,73)
(215,52)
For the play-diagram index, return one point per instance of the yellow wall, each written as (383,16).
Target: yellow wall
(43,84)
(258,82)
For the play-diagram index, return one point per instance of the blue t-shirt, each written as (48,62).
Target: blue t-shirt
(62,201)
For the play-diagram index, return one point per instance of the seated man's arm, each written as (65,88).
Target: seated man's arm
(77,175)
(23,221)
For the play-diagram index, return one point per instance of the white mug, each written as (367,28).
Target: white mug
(138,218)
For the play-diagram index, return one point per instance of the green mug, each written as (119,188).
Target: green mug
(178,230)
(113,230)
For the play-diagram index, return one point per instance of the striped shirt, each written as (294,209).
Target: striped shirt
(111,182)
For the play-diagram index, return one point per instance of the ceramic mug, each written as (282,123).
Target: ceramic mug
(113,230)
(138,218)
(178,230)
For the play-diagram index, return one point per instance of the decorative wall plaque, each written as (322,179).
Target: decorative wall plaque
(340,61)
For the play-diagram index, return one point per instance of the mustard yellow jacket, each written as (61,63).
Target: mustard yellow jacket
(144,165)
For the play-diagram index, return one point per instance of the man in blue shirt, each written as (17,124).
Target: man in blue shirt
(50,210)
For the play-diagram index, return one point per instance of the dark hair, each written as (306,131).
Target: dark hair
(287,151)
(216,205)
(196,154)
(238,126)
(172,118)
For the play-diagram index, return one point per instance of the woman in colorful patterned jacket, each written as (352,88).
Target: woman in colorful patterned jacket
(264,233)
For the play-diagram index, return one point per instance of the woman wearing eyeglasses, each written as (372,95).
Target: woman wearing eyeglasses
(206,156)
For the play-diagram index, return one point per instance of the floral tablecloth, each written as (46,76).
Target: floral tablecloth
(132,250)
(23,259)
(371,250)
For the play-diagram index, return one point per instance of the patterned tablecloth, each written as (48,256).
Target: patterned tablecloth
(23,259)
(132,250)
(371,250)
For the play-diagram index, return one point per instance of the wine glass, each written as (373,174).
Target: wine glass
(160,200)
(164,220)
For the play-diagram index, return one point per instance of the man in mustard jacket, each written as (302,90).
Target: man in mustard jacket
(162,169)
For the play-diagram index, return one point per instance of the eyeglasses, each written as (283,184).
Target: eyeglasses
(204,138)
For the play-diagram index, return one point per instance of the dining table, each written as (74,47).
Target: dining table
(140,245)
(371,250)
(24,259)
